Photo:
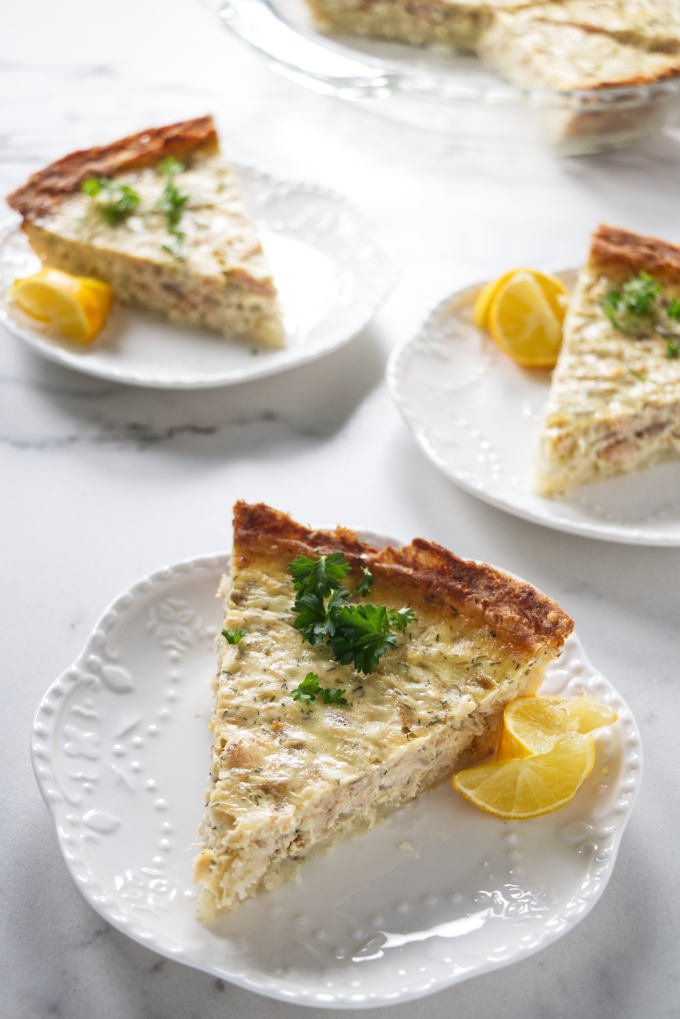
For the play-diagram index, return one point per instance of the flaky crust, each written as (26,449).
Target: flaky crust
(48,186)
(621,252)
(430,578)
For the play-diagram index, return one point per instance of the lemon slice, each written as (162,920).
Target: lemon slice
(76,306)
(523,322)
(531,725)
(485,297)
(553,289)
(523,787)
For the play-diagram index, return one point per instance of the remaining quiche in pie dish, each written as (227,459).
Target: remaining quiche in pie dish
(157,215)
(553,44)
(350,679)
(614,403)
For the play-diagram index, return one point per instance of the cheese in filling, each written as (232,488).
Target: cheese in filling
(289,778)
(614,403)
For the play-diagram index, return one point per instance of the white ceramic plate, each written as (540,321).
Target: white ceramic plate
(438,893)
(478,415)
(331,275)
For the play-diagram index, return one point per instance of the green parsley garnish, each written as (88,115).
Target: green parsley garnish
(632,309)
(358,634)
(361,634)
(309,689)
(119,200)
(366,583)
(639,307)
(320,576)
(171,204)
(401,618)
(174,247)
(233,636)
(642,376)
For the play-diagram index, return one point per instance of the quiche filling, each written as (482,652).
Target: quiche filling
(291,776)
(614,403)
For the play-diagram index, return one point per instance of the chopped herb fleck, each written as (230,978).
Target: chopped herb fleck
(672,348)
(642,376)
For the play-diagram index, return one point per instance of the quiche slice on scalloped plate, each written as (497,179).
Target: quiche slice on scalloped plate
(162,221)
(292,776)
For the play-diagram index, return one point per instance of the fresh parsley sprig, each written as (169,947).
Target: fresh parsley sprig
(640,306)
(361,635)
(171,204)
(358,634)
(319,576)
(118,200)
(309,689)
(366,583)
(233,636)
(632,308)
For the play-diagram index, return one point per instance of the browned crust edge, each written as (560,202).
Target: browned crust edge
(519,612)
(48,186)
(622,251)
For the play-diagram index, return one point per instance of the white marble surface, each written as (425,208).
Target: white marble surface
(103,483)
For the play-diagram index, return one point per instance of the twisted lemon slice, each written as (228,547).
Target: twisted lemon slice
(76,306)
(531,725)
(521,787)
(524,310)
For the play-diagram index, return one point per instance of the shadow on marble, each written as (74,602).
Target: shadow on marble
(313,400)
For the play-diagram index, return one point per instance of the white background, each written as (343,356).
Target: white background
(101,484)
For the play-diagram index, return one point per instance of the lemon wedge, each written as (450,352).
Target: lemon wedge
(76,306)
(531,725)
(523,787)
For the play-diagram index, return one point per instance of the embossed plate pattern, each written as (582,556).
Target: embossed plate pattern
(438,893)
(331,274)
(477,415)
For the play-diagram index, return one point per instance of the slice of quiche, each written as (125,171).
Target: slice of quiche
(453,23)
(306,750)
(159,216)
(540,47)
(647,24)
(614,403)
(551,44)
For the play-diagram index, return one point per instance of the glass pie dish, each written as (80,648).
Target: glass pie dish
(453,94)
